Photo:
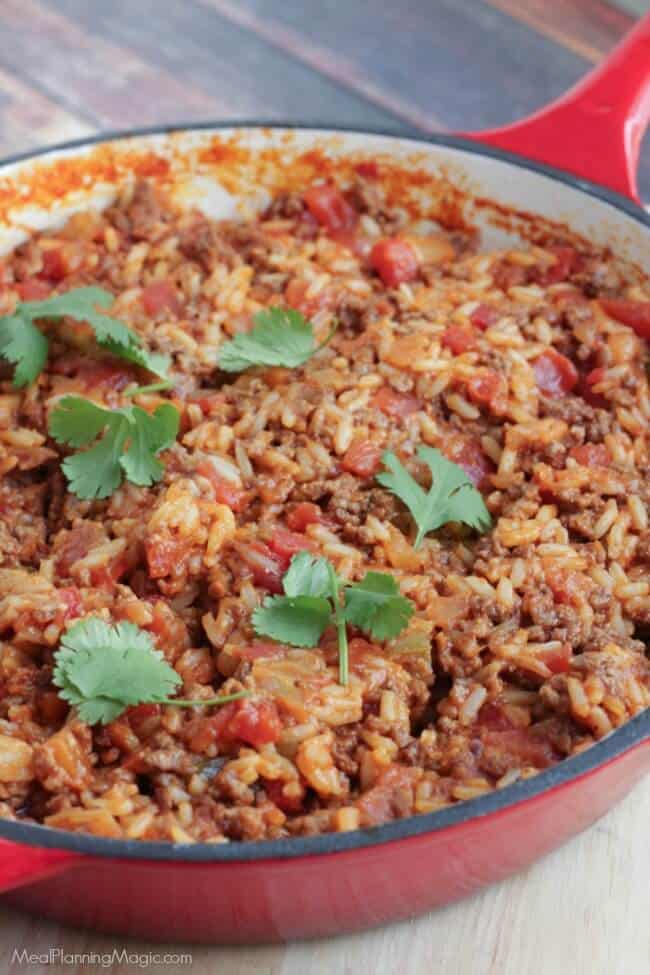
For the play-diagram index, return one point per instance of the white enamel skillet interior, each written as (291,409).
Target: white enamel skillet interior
(602,217)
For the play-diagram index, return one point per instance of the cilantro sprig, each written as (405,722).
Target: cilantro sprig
(26,347)
(128,446)
(22,344)
(315,598)
(102,669)
(280,337)
(451,497)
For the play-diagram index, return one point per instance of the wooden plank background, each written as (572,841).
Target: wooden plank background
(68,67)
(72,67)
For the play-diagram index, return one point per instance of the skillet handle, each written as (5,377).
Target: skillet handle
(594,130)
(26,864)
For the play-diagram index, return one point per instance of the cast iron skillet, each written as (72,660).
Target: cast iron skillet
(586,148)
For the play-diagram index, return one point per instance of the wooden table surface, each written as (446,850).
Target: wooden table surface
(73,67)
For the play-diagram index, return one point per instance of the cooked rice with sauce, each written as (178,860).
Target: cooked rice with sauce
(527,641)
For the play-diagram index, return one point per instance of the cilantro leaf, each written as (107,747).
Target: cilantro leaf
(299,621)
(307,575)
(101,669)
(149,434)
(280,337)
(81,304)
(77,421)
(452,496)
(22,344)
(100,650)
(128,446)
(376,606)
(97,472)
(154,362)
(312,602)
(300,617)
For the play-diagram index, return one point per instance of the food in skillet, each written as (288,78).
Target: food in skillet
(310,522)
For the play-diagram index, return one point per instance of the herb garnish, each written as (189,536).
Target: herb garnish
(129,441)
(312,602)
(451,497)
(23,344)
(103,669)
(280,337)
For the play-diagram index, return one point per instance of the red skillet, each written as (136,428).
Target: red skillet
(334,883)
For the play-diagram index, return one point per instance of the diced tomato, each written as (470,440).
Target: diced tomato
(138,712)
(94,373)
(635,314)
(557,660)
(488,388)
(392,403)
(555,374)
(587,391)
(254,722)
(286,544)
(58,262)
(51,708)
(33,290)
(591,455)
(469,455)
(54,266)
(265,565)
(484,316)
(521,745)
(567,261)
(596,376)
(143,718)
(160,296)
(274,789)
(459,339)
(328,205)
(164,554)
(225,492)
(368,169)
(71,597)
(395,261)
(296,297)
(305,513)
(363,459)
